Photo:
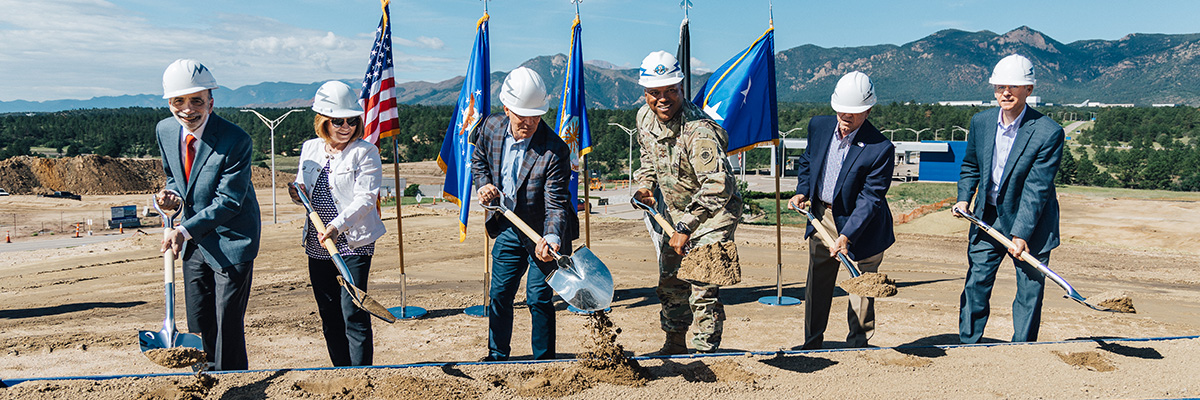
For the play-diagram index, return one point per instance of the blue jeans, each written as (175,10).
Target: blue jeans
(510,259)
(985,255)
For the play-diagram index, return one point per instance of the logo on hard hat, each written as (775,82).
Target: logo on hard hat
(198,69)
(660,69)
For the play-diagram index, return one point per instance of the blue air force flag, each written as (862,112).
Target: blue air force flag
(572,114)
(472,107)
(741,96)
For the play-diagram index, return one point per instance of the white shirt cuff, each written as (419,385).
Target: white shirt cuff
(186,235)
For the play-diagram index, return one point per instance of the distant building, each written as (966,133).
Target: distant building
(1164,105)
(1089,103)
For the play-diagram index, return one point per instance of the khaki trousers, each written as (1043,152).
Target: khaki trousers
(818,294)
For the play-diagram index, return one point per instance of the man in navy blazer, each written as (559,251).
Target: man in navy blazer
(845,173)
(519,160)
(207,161)
(1012,156)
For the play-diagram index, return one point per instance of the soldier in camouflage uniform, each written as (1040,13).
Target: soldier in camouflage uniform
(687,177)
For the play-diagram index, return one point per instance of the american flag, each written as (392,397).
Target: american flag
(379,87)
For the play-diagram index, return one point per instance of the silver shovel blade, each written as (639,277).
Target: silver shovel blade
(584,282)
(150,340)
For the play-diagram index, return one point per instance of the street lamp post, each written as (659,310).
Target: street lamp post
(630,132)
(935,133)
(271,124)
(891,134)
(957,128)
(917,132)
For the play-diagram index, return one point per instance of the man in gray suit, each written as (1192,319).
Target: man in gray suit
(207,161)
(1012,155)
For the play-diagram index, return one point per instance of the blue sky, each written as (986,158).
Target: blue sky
(78,49)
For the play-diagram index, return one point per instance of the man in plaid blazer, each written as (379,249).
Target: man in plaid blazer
(518,160)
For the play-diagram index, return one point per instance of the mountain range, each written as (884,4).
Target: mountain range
(947,65)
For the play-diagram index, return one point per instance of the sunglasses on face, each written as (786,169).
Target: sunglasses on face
(338,122)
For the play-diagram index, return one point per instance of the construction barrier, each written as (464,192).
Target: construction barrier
(922,210)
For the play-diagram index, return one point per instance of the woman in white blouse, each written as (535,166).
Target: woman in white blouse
(342,174)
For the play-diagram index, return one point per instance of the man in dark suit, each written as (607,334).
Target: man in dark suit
(845,171)
(518,160)
(1012,156)
(207,161)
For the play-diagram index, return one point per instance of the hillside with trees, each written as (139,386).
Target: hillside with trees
(1141,148)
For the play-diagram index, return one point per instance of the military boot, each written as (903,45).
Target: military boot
(676,343)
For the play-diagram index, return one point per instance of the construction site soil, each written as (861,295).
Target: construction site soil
(97,175)
(76,311)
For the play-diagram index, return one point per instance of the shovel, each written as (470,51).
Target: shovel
(168,337)
(662,222)
(582,280)
(358,296)
(827,239)
(1029,258)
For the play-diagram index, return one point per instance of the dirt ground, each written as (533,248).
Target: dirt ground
(77,311)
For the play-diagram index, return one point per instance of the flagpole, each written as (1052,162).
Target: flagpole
(404,311)
(780,299)
(481,310)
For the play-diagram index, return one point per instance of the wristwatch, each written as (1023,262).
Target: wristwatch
(681,228)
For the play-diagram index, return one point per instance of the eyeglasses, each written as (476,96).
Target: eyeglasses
(338,122)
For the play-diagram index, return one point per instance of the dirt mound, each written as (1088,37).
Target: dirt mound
(414,388)
(176,357)
(1087,359)
(715,263)
(870,284)
(605,354)
(1118,301)
(98,175)
(192,387)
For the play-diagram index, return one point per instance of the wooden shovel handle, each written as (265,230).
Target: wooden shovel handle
(320,225)
(662,222)
(520,224)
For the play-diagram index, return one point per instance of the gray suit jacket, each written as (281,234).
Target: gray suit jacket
(544,198)
(220,209)
(1027,205)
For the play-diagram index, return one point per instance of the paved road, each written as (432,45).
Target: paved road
(24,244)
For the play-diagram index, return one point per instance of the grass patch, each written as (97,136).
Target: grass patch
(788,217)
(409,201)
(922,192)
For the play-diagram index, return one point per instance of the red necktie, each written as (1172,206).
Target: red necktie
(189,157)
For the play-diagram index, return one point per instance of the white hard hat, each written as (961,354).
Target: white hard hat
(1013,70)
(524,93)
(854,94)
(660,69)
(335,99)
(186,77)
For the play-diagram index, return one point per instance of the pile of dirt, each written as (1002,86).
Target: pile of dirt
(1087,359)
(1118,301)
(715,263)
(870,284)
(604,353)
(176,357)
(92,174)
(193,387)
(604,362)
(415,388)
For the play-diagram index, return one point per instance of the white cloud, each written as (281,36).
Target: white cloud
(78,49)
(420,42)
